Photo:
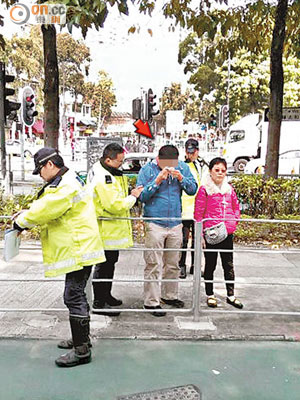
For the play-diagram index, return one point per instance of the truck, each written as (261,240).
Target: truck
(247,139)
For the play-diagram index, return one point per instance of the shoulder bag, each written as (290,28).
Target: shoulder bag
(216,233)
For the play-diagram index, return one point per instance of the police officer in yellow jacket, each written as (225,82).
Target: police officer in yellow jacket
(70,243)
(198,167)
(111,199)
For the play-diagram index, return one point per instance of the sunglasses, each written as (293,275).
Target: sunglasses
(41,167)
(220,170)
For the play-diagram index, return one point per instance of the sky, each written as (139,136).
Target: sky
(133,61)
(138,60)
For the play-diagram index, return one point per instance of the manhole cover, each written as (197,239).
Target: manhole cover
(188,392)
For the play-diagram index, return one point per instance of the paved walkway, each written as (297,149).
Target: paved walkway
(215,324)
(236,356)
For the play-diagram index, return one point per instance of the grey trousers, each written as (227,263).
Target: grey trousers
(159,263)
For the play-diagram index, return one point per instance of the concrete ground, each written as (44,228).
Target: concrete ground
(253,271)
(235,356)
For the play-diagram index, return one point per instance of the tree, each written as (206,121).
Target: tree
(250,27)
(83,14)
(173,99)
(276,89)
(73,59)
(51,87)
(247,26)
(101,96)
(248,80)
(24,57)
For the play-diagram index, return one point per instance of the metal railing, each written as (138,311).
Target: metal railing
(197,280)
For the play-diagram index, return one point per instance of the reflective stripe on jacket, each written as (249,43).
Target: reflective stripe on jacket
(69,231)
(111,200)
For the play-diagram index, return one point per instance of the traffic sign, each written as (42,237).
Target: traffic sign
(288,114)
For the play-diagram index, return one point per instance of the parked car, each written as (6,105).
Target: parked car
(133,162)
(13,147)
(288,163)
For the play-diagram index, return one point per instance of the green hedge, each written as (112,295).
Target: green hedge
(270,197)
(11,205)
(260,199)
(263,198)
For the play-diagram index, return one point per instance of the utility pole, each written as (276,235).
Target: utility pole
(228,79)
(2,121)
(99,117)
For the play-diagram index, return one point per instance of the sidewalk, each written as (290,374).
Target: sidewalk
(249,267)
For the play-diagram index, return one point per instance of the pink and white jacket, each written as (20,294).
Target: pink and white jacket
(217,202)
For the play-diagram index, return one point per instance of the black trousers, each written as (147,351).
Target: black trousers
(227,264)
(187,227)
(105,270)
(74,293)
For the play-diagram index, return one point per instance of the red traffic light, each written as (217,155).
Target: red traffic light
(28,106)
(151,98)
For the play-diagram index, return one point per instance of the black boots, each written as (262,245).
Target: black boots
(105,307)
(81,354)
(68,343)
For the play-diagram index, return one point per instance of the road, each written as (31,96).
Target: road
(24,186)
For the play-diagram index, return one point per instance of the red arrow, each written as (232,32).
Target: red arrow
(143,128)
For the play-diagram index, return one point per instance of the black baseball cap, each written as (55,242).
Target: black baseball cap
(191,145)
(42,157)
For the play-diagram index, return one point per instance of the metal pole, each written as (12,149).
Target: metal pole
(228,80)
(197,270)
(10,175)
(2,121)
(99,117)
(22,153)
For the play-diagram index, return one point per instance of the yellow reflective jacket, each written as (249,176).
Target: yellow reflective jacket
(111,200)
(188,202)
(69,231)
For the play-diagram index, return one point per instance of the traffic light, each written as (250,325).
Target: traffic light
(28,106)
(213,120)
(151,105)
(225,116)
(136,108)
(266,114)
(10,107)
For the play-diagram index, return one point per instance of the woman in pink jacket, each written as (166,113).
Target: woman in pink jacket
(217,199)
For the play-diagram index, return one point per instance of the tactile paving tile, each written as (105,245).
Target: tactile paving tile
(188,392)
